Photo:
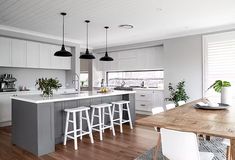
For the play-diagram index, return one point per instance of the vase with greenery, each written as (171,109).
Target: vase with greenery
(177,94)
(222,87)
(47,86)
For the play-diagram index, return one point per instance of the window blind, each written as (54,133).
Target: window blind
(219,62)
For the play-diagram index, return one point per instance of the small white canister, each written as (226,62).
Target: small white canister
(226,95)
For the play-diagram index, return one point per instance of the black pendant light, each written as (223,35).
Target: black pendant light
(87,55)
(63,52)
(106,56)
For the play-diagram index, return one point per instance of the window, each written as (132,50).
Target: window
(151,78)
(219,62)
(84,79)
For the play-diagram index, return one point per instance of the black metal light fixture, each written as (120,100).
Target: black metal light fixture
(106,56)
(63,52)
(87,55)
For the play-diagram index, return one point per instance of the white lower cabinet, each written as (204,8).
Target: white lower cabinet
(5,107)
(146,99)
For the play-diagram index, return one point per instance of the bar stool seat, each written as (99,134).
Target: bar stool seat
(101,118)
(121,107)
(74,131)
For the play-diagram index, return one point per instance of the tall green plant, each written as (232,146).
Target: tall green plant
(219,84)
(47,85)
(177,94)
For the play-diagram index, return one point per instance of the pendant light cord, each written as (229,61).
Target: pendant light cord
(63,29)
(87,35)
(106,40)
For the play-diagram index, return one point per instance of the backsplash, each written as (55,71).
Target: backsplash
(27,77)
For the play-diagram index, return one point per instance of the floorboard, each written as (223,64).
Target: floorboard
(126,146)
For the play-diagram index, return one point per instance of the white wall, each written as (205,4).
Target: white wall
(27,77)
(183,61)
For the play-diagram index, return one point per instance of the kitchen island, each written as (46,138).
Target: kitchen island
(38,123)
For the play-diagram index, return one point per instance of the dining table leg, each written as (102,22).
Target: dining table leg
(232,141)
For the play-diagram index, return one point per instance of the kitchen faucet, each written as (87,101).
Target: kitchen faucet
(76,82)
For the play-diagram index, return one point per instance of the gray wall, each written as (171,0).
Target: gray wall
(183,61)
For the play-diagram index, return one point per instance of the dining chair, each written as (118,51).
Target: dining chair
(178,145)
(227,143)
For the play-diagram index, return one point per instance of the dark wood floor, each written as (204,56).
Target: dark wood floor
(126,146)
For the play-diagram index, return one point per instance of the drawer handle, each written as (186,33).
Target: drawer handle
(142,95)
(143,105)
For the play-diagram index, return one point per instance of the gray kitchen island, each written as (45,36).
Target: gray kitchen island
(38,123)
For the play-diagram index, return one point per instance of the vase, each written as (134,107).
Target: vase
(226,96)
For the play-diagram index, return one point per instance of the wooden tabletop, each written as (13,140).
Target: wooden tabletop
(219,123)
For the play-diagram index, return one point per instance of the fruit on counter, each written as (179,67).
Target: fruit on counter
(104,90)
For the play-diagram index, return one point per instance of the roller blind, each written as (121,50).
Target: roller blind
(219,63)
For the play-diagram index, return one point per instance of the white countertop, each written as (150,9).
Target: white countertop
(149,89)
(60,97)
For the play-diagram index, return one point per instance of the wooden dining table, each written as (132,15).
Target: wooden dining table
(219,123)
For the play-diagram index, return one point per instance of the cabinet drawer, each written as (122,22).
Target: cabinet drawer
(144,96)
(143,105)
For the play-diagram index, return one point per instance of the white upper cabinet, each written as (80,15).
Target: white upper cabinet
(18,52)
(33,54)
(60,62)
(45,55)
(55,60)
(28,54)
(5,52)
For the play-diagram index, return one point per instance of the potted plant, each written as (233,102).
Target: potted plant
(47,86)
(177,94)
(223,88)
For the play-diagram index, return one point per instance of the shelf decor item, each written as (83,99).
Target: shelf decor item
(47,86)
(177,94)
(222,87)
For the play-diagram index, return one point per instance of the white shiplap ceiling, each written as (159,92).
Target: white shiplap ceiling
(152,19)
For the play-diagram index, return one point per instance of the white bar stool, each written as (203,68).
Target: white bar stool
(121,105)
(73,111)
(101,116)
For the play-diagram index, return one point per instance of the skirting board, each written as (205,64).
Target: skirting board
(4,124)
(143,112)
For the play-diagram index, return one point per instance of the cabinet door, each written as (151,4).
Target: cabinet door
(19,56)
(55,60)
(45,55)
(5,52)
(66,61)
(33,54)
(5,108)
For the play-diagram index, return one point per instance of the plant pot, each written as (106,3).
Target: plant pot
(226,96)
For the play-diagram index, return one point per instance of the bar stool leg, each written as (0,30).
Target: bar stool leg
(100,125)
(113,109)
(66,128)
(120,117)
(129,115)
(111,120)
(92,116)
(80,114)
(89,127)
(75,131)
(103,116)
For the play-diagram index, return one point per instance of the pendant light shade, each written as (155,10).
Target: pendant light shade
(106,56)
(87,54)
(63,52)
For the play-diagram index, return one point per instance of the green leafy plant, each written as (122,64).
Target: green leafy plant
(47,85)
(219,84)
(177,94)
